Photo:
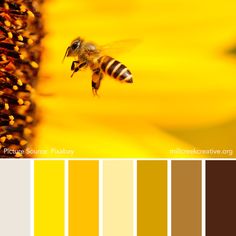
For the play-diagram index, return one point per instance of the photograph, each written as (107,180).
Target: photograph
(126,79)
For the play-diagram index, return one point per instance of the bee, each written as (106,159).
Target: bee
(89,55)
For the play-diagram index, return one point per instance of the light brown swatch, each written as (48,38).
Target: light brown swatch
(186,198)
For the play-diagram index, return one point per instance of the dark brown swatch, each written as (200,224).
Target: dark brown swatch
(220,198)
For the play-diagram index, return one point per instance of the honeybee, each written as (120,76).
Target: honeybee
(88,54)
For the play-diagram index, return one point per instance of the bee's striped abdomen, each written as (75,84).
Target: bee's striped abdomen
(115,69)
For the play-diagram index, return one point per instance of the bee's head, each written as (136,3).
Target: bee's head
(74,48)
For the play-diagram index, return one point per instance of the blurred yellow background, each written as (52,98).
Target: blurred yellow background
(182,102)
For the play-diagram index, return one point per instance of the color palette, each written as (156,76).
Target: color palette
(117,197)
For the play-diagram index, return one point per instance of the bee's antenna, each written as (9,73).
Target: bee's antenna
(65,54)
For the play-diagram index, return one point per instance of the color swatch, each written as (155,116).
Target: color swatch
(15,198)
(49,198)
(186,198)
(220,198)
(152,198)
(118,198)
(83,198)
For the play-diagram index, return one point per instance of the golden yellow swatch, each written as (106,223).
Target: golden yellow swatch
(83,198)
(152,198)
(49,198)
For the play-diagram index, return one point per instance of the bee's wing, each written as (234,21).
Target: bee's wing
(119,47)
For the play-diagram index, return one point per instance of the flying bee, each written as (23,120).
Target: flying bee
(88,54)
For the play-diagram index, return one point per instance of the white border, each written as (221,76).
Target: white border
(169,198)
(121,158)
(130,159)
(66,194)
(100,185)
(32,197)
(135,215)
(203,197)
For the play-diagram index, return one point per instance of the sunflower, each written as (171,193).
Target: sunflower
(21,32)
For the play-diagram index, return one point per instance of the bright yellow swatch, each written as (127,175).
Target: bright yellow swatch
(83,198)
(49,198)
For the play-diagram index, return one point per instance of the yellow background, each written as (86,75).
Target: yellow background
(183,96)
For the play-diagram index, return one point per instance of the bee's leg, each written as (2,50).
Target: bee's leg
(73,65)
(75,69)
(96,80)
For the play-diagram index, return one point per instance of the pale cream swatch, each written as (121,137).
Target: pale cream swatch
(118,198)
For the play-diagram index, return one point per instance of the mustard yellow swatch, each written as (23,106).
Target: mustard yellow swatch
(83,198)
(49,198)
(152,198)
